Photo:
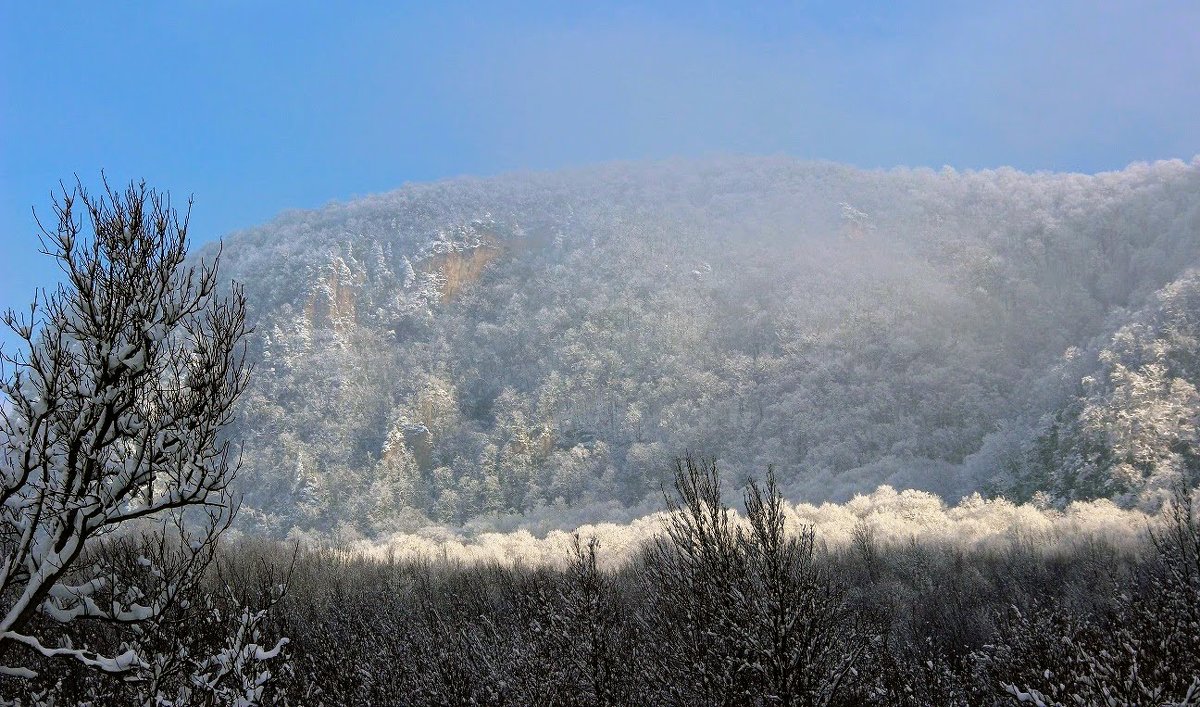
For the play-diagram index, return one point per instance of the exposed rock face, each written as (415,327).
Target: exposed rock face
(457,269)
(332,303)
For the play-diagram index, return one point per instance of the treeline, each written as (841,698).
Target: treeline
(717,610)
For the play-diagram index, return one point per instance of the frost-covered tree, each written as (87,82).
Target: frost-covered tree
(126,375)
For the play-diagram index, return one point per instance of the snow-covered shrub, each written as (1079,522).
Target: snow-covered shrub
(213,647)
(1147,650)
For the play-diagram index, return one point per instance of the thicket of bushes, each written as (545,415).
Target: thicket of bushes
(717,611)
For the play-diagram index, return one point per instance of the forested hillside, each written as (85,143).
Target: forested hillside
(541,345)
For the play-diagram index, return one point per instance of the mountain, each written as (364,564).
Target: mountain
(539,345)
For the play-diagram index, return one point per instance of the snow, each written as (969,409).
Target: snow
(262,654)
(17,672)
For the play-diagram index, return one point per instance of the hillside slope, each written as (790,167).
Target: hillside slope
(478,349)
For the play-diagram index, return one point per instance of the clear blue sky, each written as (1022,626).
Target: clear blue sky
(256,107)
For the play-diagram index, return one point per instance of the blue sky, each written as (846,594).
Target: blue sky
(255,107)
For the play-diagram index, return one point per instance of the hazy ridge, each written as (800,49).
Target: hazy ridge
(534,348)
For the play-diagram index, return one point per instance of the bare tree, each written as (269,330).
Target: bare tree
(127,374)
(749,610)
(693,570)
(805,643)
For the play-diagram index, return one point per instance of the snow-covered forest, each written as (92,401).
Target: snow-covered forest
(738,431)
(532,350)
(621,354)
